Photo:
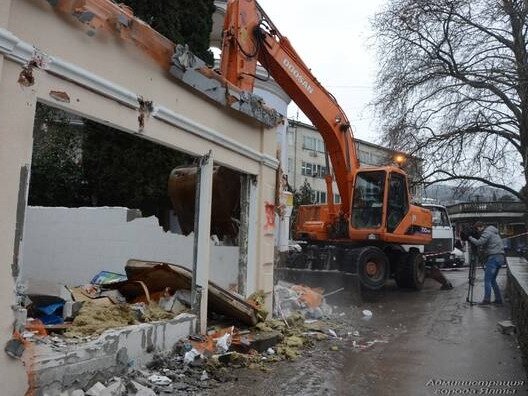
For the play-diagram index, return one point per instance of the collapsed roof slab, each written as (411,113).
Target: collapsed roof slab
(106,17)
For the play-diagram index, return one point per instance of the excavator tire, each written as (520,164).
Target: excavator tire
(410,273)
(372,267)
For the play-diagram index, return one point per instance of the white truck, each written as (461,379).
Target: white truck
(441,251)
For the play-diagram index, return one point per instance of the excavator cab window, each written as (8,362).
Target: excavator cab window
(397,204)
(367,206)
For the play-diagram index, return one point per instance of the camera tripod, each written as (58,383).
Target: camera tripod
(473,263)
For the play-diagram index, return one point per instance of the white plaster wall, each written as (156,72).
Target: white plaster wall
(75,367)
(16,112)
(70,245)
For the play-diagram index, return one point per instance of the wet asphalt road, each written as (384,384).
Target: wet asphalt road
(427,337)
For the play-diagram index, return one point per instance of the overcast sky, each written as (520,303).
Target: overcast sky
(334,38)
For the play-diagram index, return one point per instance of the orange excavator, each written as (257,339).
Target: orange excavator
(375,231)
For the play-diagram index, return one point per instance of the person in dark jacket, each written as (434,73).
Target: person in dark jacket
(493,249)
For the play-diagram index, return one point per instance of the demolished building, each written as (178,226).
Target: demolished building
(93,59)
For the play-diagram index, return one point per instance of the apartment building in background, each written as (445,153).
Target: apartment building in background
(306,161)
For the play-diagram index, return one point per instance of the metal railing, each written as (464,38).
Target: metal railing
(486,207)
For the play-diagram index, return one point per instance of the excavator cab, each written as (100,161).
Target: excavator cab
(367,204)
(380,211)
(369,196)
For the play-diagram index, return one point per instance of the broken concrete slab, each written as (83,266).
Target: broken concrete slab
(96,390)
(141,390)
(157,276)
(111,354)
(193,72)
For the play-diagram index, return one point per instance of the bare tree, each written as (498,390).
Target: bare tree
(453,88)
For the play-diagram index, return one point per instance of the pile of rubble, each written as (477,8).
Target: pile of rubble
(239,335)
(202,363)
(148,292)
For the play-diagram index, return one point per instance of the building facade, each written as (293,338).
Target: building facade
(307,161)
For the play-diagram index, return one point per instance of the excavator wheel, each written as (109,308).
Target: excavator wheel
(410,273)
(372,267)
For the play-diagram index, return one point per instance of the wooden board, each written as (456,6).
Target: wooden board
(157,276)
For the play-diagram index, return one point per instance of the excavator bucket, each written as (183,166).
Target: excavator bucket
(225,210)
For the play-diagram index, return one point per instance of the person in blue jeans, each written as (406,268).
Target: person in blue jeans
(493,249)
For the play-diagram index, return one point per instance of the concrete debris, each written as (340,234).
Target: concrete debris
(14,348)
(160,380)
(204,376)
(366,313)
(115,388)
(191,356)
(193,71)
(96,390)
(290,298)
(506,327)
(184,297)
(270,351)
(140,390)
(28,334)
(166,301)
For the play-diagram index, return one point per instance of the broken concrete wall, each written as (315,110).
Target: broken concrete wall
(71,245)
(57,368)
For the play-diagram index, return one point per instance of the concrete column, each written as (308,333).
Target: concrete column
(17,112)
(202,241)
(245,182)
(252,240)
(284,223)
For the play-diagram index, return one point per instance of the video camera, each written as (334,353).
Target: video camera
(469,231)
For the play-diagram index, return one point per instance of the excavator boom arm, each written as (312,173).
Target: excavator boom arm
(249,36)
